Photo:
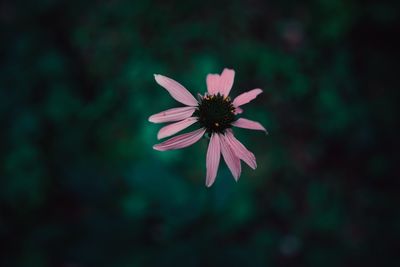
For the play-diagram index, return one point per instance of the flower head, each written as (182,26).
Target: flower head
(215,113)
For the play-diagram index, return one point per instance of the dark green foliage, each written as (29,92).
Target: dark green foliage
(80,184)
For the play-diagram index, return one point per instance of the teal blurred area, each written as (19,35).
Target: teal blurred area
(81,186)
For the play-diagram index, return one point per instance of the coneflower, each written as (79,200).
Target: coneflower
(216,113)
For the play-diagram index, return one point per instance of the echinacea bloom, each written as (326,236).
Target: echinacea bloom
(215,113)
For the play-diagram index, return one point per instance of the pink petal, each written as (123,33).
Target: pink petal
(226,81)
(241,151)
(238,110)
(230,158)
(173,128)
(213,83)
(180,141)
(176,90)
(213,157)
(248,124)
(173,114)
(246,97)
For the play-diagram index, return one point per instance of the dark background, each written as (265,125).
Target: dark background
(81,185)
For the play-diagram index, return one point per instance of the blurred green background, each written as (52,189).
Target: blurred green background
(81,185)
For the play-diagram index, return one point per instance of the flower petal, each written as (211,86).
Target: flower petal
(230,158)
(213,83)
(213,157)
(246,97)
(173,114)
(176,127)
(176,90)
(180,141)
(248,124)
(240,150)
(238,110)
(226,81)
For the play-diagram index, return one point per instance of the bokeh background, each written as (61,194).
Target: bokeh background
(81,185)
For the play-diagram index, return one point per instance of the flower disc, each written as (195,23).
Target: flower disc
(215,113)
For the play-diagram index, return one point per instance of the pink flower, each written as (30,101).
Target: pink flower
(215,113)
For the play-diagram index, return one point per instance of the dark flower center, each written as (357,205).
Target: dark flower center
(215,113)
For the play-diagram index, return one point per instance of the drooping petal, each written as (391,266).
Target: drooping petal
(226,81)
(176,90)
(176,127)
(248,124)
(240,150)
(180,141)
(213,157)
(246,97)
(213,83)
(230,158)
(173,114)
